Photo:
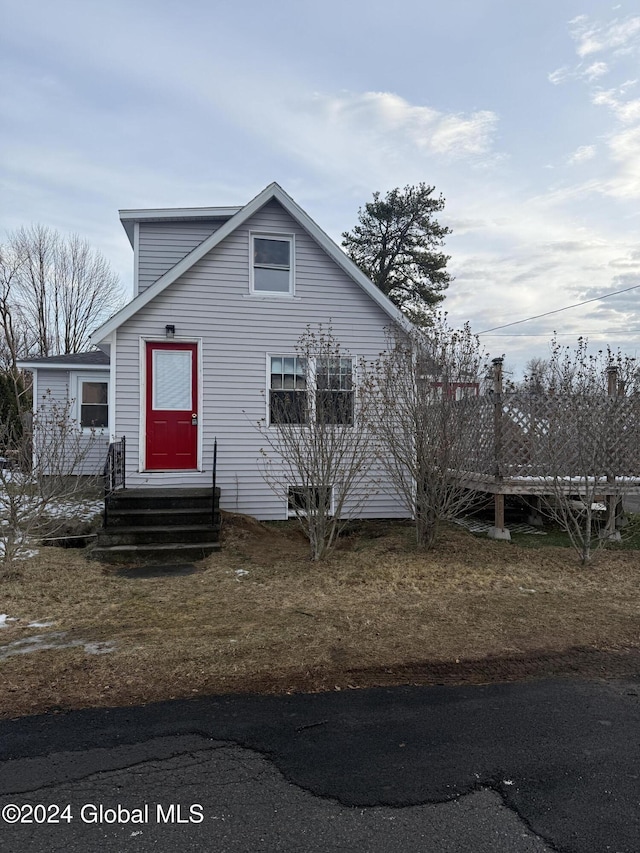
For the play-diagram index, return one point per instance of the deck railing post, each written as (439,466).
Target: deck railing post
(611,501)
(498,531)
(497,417)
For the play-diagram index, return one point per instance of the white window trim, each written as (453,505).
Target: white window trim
(76,383)
(283,237)
(277,354)
(292,513)
(142,428)
(311,385)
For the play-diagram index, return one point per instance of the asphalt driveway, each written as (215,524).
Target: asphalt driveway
(517,767)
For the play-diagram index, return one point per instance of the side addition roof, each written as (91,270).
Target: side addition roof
(273,191)
(78,360)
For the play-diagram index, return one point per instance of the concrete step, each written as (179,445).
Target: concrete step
(155,535)
(161,498)
(162,517)
(169,553)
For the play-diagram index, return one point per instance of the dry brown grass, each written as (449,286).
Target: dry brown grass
(375,612)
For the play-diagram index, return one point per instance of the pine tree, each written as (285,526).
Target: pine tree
(396,244)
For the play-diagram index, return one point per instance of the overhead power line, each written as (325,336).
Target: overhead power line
(558,310)
(622,332)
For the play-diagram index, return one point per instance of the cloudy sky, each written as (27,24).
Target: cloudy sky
(524,115)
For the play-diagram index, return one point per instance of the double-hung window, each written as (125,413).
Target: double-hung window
(288,402)
(93,403)
(272,264)
(319,390)
(334,391)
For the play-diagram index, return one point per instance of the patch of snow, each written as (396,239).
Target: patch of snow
(81,510)
(100,648)
(4,619)
(22,554)
(240,573)
(78,510)
(53,640)
(31,644)
(40,624)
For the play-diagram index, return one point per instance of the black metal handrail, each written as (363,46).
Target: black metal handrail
(213,491)
(114,471)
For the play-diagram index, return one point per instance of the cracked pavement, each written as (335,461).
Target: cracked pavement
(514,767)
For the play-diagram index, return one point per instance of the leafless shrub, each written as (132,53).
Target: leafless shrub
(44,465)
(424,426)
(318,451)
(591,441)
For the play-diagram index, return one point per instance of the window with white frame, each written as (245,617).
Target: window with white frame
(334,391)
(304,499)
(271,266)
(93,402)
(288,401)
(320,390)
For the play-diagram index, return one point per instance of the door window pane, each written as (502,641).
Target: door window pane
(172,380)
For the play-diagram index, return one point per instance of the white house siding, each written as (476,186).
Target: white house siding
(163,244)
(212,302)
(60,387)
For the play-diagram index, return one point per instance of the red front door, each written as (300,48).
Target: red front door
(172,406)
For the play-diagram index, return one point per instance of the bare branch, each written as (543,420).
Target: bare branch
(318,451)
(48,462)
(423,425)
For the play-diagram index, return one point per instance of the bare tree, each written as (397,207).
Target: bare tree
(318,451)
(591,441)
(426,384)
(536,375)
(55,290)
(11,347)
(43,466)
(14,384)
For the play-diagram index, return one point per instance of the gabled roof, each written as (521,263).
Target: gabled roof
(273,192)
(93,359)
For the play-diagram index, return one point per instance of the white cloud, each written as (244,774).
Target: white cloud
(625,151)
(582,154)
(559,75)
(387,117)
(617,38)
(626,111)
(594,37)
(596,70)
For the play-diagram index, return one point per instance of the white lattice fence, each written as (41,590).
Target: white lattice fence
(530,435)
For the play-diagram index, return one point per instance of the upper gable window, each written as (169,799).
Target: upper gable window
(272,267)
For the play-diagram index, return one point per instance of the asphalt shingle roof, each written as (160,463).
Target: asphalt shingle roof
(96,357)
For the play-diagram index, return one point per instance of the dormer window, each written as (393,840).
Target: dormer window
(272,266)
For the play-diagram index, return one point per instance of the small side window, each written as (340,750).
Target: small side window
(94,404)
